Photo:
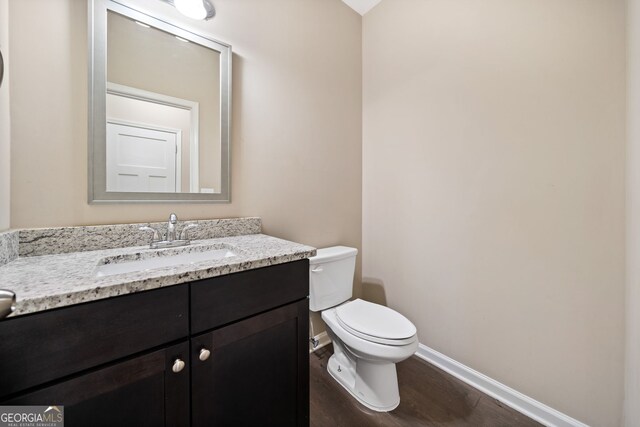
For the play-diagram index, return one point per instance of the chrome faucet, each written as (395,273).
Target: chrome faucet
(169,240)
(171,228)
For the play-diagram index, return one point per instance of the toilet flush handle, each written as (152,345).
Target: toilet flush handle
(316,270)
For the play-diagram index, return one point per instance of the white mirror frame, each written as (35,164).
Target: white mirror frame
(97,109)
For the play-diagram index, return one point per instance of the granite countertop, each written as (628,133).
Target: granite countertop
(57,280)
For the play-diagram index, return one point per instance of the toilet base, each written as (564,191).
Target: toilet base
(375,385)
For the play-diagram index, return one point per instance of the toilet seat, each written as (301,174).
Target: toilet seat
(375,323)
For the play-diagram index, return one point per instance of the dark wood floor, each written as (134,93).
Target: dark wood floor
(428,397)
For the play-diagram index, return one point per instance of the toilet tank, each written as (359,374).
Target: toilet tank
(331,277)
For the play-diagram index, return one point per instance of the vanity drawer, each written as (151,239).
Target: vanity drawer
(225,299)
(46,346)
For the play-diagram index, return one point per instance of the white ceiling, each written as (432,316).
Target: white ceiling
(361,6)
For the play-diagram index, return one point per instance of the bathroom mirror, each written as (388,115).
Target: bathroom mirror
(158,111)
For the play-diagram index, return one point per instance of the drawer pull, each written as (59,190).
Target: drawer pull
(178,365)
(204,354)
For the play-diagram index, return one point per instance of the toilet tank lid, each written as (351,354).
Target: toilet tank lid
(333,253)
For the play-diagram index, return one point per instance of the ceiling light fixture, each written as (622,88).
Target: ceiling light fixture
(194,9)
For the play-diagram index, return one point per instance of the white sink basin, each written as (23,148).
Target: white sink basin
(151,260)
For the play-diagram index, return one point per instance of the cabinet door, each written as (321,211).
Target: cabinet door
(257,372)
(41,348)
(142,391)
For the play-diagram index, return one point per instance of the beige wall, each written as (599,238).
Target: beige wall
(296,136)
(632,370)
(5,129)
(493,189)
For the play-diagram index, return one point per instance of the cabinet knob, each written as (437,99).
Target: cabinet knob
(204,354)
(178,365)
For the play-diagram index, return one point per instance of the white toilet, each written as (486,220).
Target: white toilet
(368,339)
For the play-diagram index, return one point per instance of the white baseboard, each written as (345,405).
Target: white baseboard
(323,339)
(510,397)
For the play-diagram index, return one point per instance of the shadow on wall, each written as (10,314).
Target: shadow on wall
(373,291)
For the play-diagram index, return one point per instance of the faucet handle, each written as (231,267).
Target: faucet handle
(184,233)
(155,237)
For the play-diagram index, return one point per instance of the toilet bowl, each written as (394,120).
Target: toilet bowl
(368,339)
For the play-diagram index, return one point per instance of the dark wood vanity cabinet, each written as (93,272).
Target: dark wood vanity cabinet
(225,351)
(256,373)
(255,326)
(140,391)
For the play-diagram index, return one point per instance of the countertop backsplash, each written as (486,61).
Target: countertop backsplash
(8,246)
(61,240)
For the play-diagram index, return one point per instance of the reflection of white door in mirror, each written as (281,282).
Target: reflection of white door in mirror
(151,67)
(140,158)
(160,111)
